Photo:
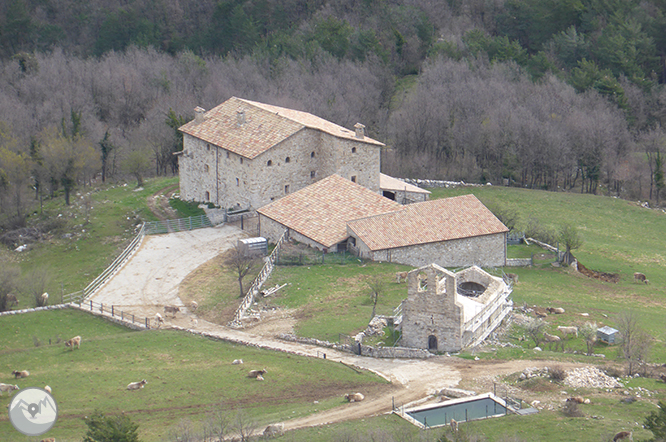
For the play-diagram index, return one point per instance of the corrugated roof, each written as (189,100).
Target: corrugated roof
(265,126)
(321,210)
(427,222)
(393,184)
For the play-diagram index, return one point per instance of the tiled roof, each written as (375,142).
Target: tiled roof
(264,127)
(393,184)
(321,210)
(427,222)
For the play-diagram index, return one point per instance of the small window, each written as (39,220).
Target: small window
(353,178)
(228,155)
(207,196)
(269,163)
(237,182)
(286,189)
(206,168)
(207,146)
(353,150)
(312,154)
(286,160)
(241,159)
(312,174)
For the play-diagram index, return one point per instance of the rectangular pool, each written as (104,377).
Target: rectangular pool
(461,410)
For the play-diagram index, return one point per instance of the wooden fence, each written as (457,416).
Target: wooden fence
(253,291)
(114,313)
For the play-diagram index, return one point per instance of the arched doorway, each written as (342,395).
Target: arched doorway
(432,343)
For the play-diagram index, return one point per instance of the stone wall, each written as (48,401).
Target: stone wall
(432,310)
(272,230)
(209,173)
(484,251)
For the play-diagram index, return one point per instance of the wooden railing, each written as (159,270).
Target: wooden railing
(253,291)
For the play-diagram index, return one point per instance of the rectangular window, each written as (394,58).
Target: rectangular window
(286,189)
(353,178)
(312,174)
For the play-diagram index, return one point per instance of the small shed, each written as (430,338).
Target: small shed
(253,246)
(607,334)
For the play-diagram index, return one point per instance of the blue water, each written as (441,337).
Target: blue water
(476,409)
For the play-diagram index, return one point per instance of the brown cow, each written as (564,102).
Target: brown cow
(75,341)
(640,277)
(171,309)
(400,276)
(622,435)
(20,374)
(256,373)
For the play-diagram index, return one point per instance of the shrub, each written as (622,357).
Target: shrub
(557,373)
(571,409)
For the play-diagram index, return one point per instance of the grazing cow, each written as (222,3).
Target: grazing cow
(137,385)
(75,341)
(550,338)
(237,362)
(454,425)
(20,374)
(354,397)
(578,400)
(47,388)
(194,305)
(194,321)
(540,312)
(159,320)
(49,439)
(640,277)
(568,330)
(7,388)
(555,310)
(662,377)
(274,430)
(622,435)
(171,309)
(401,276)
(255,373)
(11,299)
(45,298)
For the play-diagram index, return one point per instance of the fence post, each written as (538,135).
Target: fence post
(101,308)
(112,311)
(132,318)
(147,323)
(122,315)
(91,307)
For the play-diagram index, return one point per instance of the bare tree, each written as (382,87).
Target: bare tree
(535,329)
(589,334)
(244,425)
(184,432)
(9,278)
(217,425)
(377,286)
(241,263)
(35,282)
(635,341)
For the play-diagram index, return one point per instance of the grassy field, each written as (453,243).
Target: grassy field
(330,299)
(188,376)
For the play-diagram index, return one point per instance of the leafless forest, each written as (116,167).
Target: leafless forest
(72,114)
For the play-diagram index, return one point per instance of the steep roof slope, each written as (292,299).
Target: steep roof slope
(321,210)
(265,126)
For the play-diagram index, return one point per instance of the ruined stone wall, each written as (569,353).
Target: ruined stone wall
(304,158)
(484,251)
(432,311)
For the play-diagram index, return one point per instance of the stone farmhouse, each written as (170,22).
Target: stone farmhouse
(335,214)
(244,155)
(448,312)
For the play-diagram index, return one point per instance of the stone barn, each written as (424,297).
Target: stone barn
(243,154)
(446,312)
(451,232)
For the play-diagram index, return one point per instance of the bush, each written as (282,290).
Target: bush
(558,374)
(571,409)
(103,428)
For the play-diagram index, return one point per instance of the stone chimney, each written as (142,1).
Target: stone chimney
(199,114)
(360,130)
(240,117)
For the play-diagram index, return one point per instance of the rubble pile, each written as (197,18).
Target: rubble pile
(534,372)
(590,377)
